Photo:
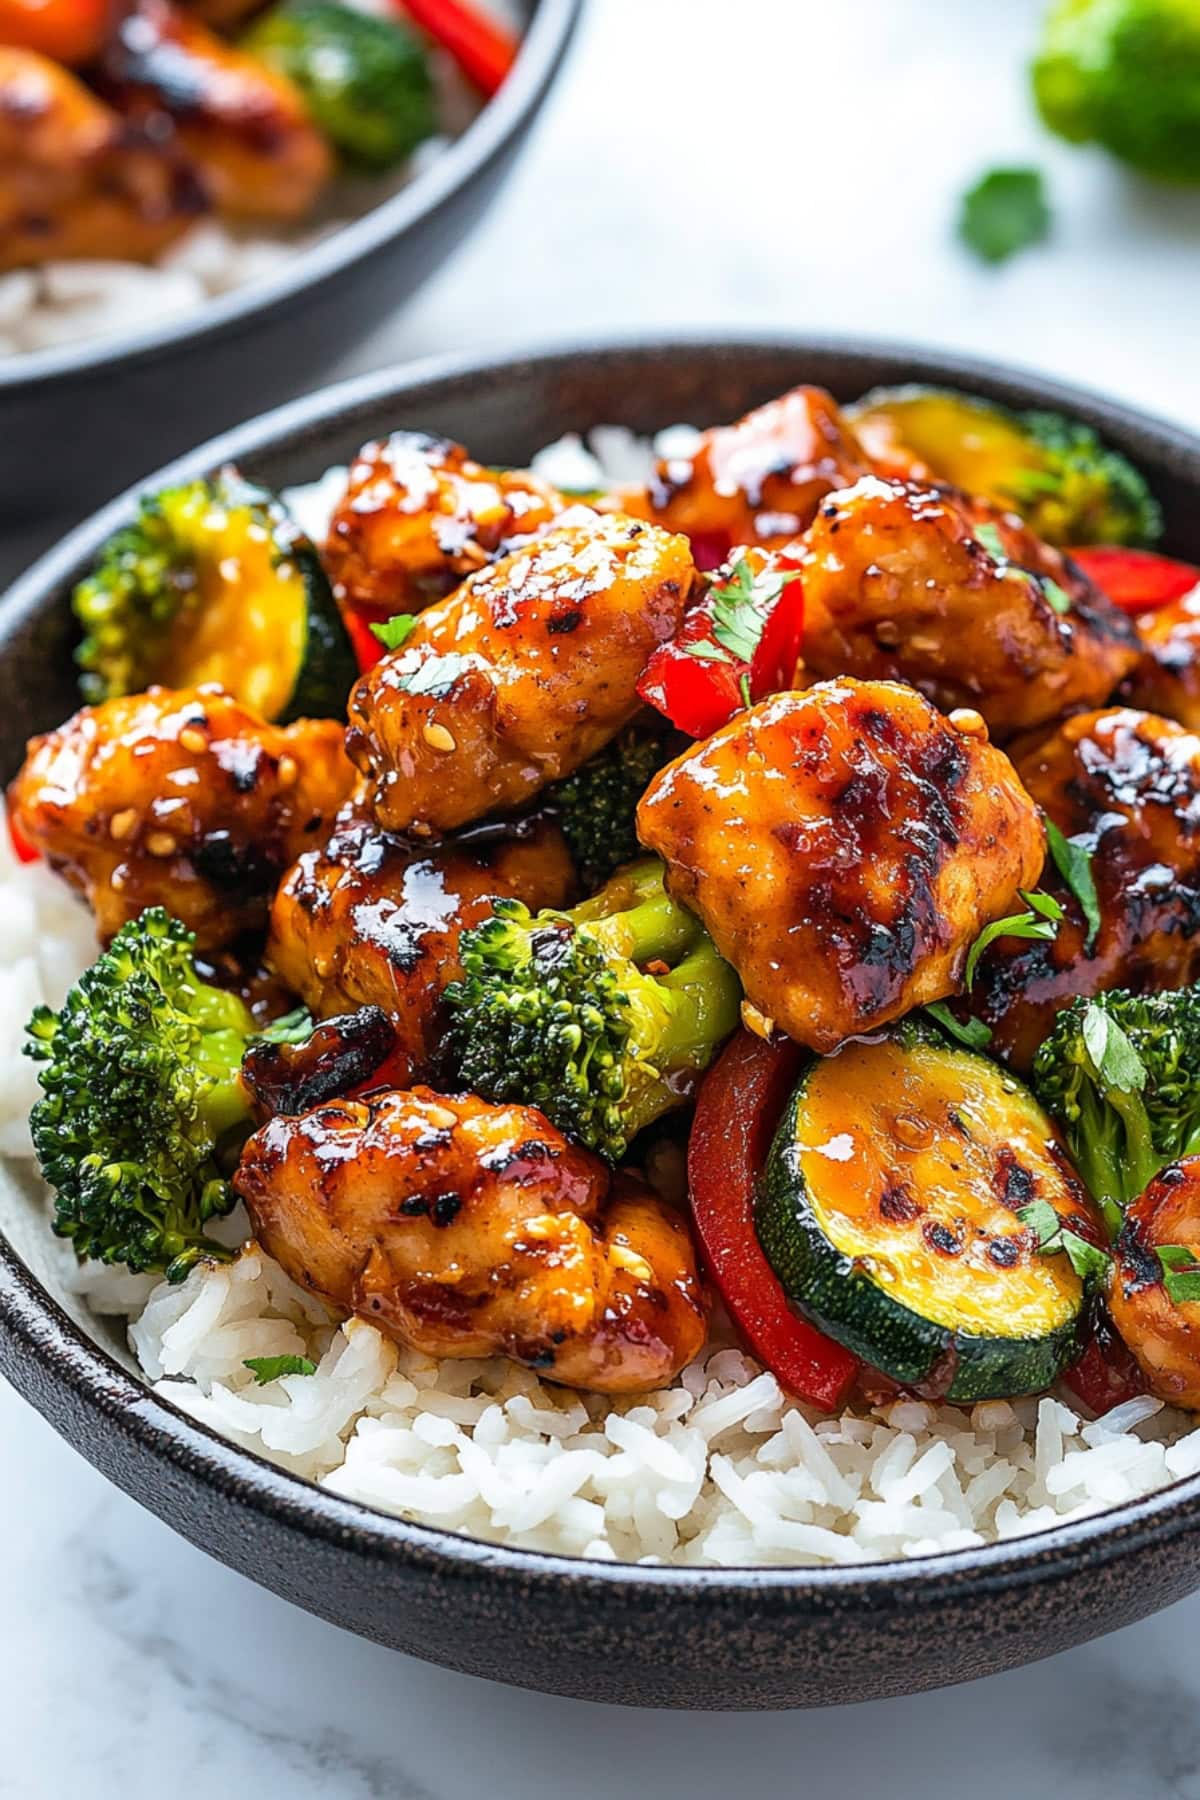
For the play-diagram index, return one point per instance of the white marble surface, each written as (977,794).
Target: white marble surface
(774,162)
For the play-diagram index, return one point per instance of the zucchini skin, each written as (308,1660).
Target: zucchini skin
(328,668)
(832,1290)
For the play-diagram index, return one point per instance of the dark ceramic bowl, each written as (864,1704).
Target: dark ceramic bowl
(79,421)
(702,1638)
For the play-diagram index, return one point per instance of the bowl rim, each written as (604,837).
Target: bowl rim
(32,1319)
(542,47)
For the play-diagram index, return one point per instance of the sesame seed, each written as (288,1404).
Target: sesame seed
(123,824)
(625,1258)
(288,770)
(968,723)
(437,737)
(161,843)
(193,739)
(757,1022)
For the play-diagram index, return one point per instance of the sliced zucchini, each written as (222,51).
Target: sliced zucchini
(888,1210)
(214,582)
(1055,472)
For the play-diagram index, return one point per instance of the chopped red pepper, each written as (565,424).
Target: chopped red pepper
(483,50)
(740,643)
(1106,1373)
(366,646)
(1136,580)
(737,1111)
(709,549)
(23,850)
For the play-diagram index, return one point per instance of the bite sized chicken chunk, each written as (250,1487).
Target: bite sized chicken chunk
(464,1229)
(920,584)
(182,799)
(844,847)
(1126,786)
(526,671)
(1163,1334)
(243,126)
(1166,677)
(758,481)
(75,181)
(419,515)
(369,920)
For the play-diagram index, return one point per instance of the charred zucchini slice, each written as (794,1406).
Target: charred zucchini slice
(1055,472)
(888,1209)
(214,582)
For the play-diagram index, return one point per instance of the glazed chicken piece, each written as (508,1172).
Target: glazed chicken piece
(370,920)
(182,799)
(520,676)
(1166,678)
(1126,785)
(756,482)
(844,847)
(75,181)
(419,515)
(1163,1334)
(916,583)
(67,31)
(464,1229)
(245,127)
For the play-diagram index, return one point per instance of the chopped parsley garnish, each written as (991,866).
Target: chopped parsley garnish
(1055,596)
(395,631)
(270,1368)
(1040,920)
(1181,1272)
(971,1032)
(1117,1064)
(1006,211)
(1054,1238)
(1073,860)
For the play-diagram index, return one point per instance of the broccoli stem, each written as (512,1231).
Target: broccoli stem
(701,1000)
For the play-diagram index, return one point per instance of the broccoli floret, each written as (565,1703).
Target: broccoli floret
(598,1016)
(129,605)
(596,806)
(1068,484)
(141,1100)
(366,79)
(1121,1072)
(1083,493)
(1125,74)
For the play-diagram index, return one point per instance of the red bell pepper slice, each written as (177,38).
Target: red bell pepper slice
(483,50)
(1106,1373)
(366,646)
(1136,580)
(737,1111)
(23,850)
(740,643)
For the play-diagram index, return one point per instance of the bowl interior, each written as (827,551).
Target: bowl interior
(504,412)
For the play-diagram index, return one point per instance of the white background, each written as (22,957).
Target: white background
(703,162)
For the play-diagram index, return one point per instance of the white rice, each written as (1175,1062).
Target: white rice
(60,303)
(721,1468)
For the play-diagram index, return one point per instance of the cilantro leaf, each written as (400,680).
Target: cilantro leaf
(1054,1238)
(1114,1058)
(395,631)
(1004,212)
(1073,860)
(971,1032)
(1040,920)
(1181,1272)
(993,543)
(270,1368)
(741,603)
(1057,597)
